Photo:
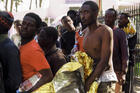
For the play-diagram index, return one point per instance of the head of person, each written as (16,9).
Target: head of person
(30,25)
(110,16)
(67,23)
(72,14)
(6,21)
(17,25)
(43,24)
(89,12)
(47,37)
(123,20)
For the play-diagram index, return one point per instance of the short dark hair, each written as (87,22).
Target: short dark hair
(71,12)
(112,9)
(64,17)
(36,17)
(51,34)
(126,14)
(93,5)
(44,24)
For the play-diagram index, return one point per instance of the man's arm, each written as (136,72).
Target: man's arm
(106,51)
(47,76)
(124,51)
(40,64)
(14,74)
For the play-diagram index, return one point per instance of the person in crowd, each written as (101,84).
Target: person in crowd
(47,40)
(32,57)
(73,15)
(16,37)
(43,24)
(98,44)
(9,55)
(120,52)
(127,26)
(68,38)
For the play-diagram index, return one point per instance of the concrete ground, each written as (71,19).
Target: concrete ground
(136,86)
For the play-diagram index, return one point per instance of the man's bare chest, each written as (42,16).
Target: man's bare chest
(92,42)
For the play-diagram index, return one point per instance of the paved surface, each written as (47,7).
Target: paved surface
(136,86)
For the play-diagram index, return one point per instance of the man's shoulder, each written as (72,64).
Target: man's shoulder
(8,44)
(32,47)
(118,30)
(105,29)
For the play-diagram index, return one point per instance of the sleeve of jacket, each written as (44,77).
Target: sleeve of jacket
(124,50)
(14,74)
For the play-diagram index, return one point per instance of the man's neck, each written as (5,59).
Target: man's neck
(93,27)
(25,41)
(53,48)
(112,25)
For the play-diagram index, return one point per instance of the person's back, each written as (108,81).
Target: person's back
(9,56)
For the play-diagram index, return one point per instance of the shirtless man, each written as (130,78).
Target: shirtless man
(98,44)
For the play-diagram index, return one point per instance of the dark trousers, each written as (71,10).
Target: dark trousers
(128,86)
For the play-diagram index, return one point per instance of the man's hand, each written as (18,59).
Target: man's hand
(122,78)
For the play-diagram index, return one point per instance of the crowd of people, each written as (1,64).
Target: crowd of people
(37,51)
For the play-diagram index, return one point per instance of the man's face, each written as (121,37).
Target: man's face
(72,16)
(68,23)
(87,16)
(28,28)
(122,21)
(109,17)
(41,40)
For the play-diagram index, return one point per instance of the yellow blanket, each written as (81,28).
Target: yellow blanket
(79,61)
(87,62)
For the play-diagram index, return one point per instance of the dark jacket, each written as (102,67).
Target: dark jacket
(2,90)
(10,59)
(67,41)
(120,51)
